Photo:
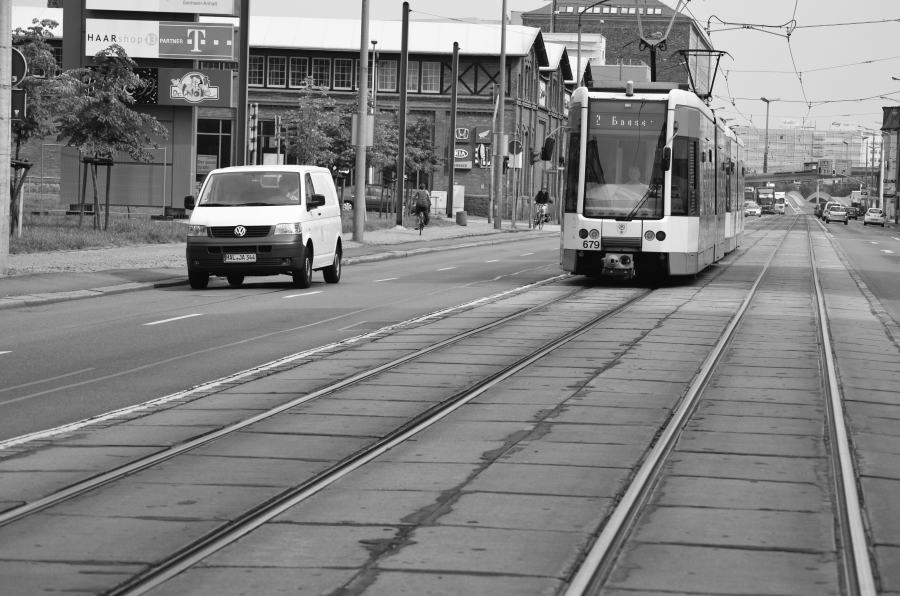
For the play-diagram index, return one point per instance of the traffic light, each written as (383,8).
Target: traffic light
(547,149)
(505,164)
(535,156)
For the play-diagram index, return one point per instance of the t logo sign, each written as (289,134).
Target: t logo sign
(196,33)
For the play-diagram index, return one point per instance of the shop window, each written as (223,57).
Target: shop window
(412,76)
(256,71)
(321,72)
(299,72)
(213,146)
(387,75)
(277,68)
(343,74)
(431,77)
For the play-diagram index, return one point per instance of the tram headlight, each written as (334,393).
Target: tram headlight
(625,260)
(582,233)
(649,235)
(660,236)
(594,234)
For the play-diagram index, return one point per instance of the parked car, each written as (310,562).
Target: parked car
(751,208)
(875,217)
(836,213)
(264,220)
(852,213)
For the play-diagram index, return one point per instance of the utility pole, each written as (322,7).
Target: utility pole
(240,158)
(401,115)
(451,149)
(5,93)
(766,154)
(359,202)
(500,139)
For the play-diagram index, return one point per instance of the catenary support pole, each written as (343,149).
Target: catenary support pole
(240,157)
(501,120)
(451,139)
(401,114)
(5,93)
(359,200)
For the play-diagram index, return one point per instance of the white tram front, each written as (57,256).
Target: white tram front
(653,183)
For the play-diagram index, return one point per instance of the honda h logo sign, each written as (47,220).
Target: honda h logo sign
(462,134)
(240,231)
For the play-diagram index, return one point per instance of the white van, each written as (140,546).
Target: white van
(264,220)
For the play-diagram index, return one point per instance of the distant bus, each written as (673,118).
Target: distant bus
(749,193)
(765,198)
(779,202)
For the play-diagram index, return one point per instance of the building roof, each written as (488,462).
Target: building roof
(22,16)
(424,37)
(569,8)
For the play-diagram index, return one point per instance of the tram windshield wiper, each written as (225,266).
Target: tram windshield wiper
(646,196)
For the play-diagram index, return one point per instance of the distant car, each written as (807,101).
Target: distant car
(751,208)
(836,213)
(875,217)
(825,208)
(852,213)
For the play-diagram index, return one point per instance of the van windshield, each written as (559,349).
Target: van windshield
(247,189)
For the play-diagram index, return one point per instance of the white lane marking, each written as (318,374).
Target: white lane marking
(890,252)
(526,254)
(306,294)
(387,279)
(492,261)
(873,243)
(897,239)
(170,320)
(77,372)
(6,352)
(446,268)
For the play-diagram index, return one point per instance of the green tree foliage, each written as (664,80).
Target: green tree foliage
(420,155)
(40,85)
(95,114)
(313,129)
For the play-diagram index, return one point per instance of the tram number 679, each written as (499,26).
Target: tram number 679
(591,244)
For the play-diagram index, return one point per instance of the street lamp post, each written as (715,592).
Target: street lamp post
(580,13)
(766,152)
(374,74)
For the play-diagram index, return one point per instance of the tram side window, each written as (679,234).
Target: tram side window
(684,177)
(573,159)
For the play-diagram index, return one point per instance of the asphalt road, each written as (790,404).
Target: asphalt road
(64,362)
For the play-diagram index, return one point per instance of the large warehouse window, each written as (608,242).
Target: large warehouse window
(277,68)
(412,76)
(431,77)
(387,75)
(343,74)
(321,72)
(299,72)
(256,71)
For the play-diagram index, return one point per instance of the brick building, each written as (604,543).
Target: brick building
(617,22)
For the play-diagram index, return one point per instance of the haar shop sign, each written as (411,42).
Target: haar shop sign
(184,87)
(155,39)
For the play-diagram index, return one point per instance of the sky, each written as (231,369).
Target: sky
(760,49)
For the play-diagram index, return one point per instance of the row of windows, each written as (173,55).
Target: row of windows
(607,10)
(339,73)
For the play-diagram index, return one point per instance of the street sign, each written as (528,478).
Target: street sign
(155,39)
(19,67)
(17,105)
(515,148)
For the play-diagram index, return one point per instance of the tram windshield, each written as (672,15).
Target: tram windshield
(623,174)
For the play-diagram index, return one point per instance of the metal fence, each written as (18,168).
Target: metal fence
(132,184)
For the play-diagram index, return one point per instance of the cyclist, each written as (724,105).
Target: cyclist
(423,202)
(541,200)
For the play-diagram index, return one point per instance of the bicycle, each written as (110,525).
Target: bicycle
(420,223)
(540,216)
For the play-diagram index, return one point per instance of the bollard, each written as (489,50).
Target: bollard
(460,218)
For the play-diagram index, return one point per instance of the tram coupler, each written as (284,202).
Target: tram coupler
(618,265)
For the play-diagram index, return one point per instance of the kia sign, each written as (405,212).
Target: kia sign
(153,39)
(220,7)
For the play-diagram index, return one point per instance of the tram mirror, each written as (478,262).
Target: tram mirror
(675,129)
(189,202)
(667,158)
(703,157)
(547,149)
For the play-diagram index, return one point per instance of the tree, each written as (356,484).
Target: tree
(40,87)
(95,115)
(312,129)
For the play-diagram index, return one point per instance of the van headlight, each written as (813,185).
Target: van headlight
(196,230)
(287,228)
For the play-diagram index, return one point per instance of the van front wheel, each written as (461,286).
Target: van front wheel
(303,277)
(198,281)
(332,273)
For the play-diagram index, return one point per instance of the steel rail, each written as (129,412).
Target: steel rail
(99,480)
(226,534)
(858,574)
(599,559)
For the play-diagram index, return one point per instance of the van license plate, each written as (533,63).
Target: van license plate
(230,258)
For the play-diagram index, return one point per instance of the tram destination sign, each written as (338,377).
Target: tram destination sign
(219,7)
(155,39)
(627,115)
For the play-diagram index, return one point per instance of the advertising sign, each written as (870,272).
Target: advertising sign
(790,123)
(155,39)
(206,164)
(483,135)
(462,159)
(222,7)
(462,135)
(184,87)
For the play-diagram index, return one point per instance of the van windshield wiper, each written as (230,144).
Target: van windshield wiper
(255,204)
(214,205)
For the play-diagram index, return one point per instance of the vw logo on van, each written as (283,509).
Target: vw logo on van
(240,231)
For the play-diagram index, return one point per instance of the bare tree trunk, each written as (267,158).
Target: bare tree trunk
(83,193)
(96,197)
(108,175)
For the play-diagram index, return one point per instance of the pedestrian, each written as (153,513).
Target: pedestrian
(423,202)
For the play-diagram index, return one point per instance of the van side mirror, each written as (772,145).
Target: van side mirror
(547,149)
(189,202)
(667,159)
(315,201)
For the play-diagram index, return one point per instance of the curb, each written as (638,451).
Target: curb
(54,297)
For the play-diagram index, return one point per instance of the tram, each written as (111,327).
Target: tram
(654,183)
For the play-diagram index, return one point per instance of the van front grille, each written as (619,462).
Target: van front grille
(251,231)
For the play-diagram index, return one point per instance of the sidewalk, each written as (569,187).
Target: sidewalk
(41,278)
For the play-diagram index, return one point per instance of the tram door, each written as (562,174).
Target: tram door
(720,195)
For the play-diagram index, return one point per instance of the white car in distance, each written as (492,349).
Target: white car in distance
(875,217)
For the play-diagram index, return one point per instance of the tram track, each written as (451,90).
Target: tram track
(858,578)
